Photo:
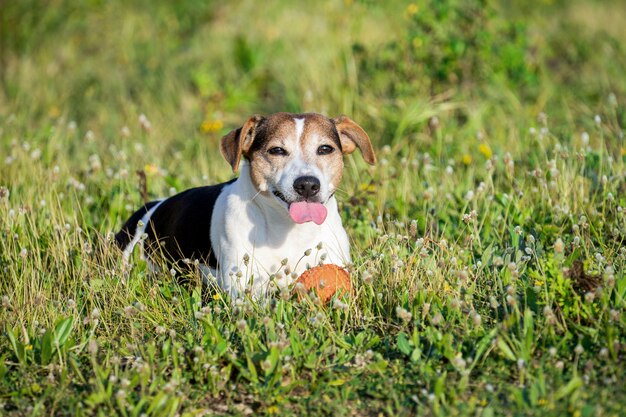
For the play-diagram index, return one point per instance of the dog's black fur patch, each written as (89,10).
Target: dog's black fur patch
(180,228)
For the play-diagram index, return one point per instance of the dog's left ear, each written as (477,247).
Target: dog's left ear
(353,136)
(238,142)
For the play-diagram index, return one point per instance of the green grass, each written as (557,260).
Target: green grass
(488,243)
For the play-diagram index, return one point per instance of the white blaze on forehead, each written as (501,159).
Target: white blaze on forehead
(299,128)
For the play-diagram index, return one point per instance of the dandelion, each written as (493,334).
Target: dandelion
(597,119)
(485,150)
(579,349)
(209,126)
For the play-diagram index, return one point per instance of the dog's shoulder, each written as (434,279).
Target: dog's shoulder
(182,223)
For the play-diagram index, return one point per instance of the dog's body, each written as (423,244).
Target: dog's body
(258,232)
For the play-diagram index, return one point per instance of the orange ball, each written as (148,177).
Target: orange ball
(325,280)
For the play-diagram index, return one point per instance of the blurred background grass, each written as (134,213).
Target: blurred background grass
(102,63)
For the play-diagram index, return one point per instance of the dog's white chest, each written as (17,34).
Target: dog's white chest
(259,248)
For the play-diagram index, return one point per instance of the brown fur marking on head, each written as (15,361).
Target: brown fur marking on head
(353,136)
(238,142)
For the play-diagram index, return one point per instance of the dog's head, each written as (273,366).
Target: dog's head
(297,159)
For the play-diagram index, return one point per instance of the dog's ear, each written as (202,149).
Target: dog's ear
(238,142)
(353,136)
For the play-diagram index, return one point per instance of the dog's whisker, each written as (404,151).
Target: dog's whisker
(255,196)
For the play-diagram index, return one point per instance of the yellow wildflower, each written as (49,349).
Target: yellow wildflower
(370,187)
(211,126)
(484,149)
(151,169)
(412,9)
(466,159)
(54,112)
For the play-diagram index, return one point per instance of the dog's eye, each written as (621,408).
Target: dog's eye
(277,151)
(325,150)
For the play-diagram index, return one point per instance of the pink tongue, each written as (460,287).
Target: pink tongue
(303,211)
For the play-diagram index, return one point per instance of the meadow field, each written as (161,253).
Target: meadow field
(488,243)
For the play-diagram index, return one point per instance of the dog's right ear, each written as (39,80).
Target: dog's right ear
(238,141)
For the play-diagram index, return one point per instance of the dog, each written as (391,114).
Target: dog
(260,231)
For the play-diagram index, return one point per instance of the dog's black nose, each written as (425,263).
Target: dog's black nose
(307,186)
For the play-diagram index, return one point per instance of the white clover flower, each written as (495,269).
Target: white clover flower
(559,246)
(145,123)
(241,325)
